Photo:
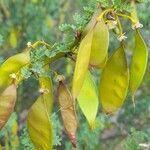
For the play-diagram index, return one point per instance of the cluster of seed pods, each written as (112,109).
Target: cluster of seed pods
(115,79)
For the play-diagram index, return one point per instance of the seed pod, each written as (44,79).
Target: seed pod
(91,23)
(138,63)
(13,38)
(12,65)
(67,112)
(14,142)
(46,85)
(7,103)
(88,99)
(114,81)
(38,120)
(82,63)
(100,43)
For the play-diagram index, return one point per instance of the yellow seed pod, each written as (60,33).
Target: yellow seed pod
(91,23)
(88,99)
(7,103)
(46,85)
(82,63)
(15,140)
(100,43)
(12,65)
(35,1)
(114,81)
(14,128)
(138,62)
(38,119)
(67,112)
(49,22)
(13,38)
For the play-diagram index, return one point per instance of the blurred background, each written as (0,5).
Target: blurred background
(31,20)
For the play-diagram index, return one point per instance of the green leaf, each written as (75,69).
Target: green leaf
(51,53)
(134,139)
(38,54)
(25,141)
(67,27)
(37,67)
(25,72)
(57,130)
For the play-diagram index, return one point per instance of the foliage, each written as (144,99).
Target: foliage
(133,141)
(60,46)
(25,141)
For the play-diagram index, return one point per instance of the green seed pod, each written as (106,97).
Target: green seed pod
(13,38)
(91,23)
(38,119)
(100,43)
(12,65)
(138,63)
(82,63)
(114,81)
(88,99)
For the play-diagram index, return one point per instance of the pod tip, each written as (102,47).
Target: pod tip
(72,138)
